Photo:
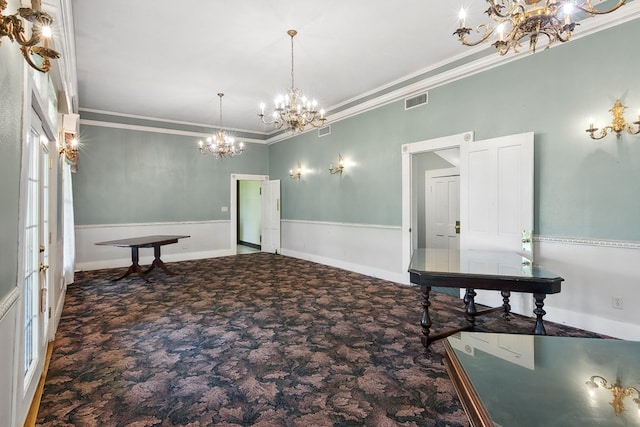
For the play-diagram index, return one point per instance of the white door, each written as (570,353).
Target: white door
(271,216)
(496,201)
(442,209)
(36,256)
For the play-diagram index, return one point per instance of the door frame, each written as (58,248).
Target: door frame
(233,206)
(409,190)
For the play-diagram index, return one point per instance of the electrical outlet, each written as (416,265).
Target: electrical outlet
(616,302)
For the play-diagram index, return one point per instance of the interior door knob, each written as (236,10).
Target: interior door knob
(43,267)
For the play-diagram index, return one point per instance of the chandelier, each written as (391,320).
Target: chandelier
(220,144)
(13,27)
(293,111)
(515,20)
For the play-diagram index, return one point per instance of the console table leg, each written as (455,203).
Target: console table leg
(505,305)
(471,311)
(539,312)
(426,319)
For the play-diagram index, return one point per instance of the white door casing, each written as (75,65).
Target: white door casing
(496,201)
(271,216)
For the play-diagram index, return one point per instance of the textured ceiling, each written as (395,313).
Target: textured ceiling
(168,59)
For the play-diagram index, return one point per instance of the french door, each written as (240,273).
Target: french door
(36,263)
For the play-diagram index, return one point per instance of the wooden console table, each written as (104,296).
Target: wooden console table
(479,269)
(136,243)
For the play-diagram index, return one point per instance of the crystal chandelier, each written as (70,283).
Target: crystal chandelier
(293,111)
(515,20)
(220,144)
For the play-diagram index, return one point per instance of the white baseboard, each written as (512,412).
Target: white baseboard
(600,325)
(147,260)
(207,238)
(362,269)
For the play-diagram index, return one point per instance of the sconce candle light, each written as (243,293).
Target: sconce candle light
(618,125)
(339,168)
(13,27)
(297,174)
(69,147)
(619,392)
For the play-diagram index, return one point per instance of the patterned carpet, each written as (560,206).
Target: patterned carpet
(256,339)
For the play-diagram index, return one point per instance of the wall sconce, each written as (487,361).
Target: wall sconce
(69,147)
(297,174)
(617,125)
(619,393)
(339,168)
(12,26)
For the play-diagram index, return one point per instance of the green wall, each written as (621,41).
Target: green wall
(11,85)
(133,176)
(584,188)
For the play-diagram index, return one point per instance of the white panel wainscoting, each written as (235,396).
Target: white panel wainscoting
(595,272)
(373,250)
(208,239)
(8,369)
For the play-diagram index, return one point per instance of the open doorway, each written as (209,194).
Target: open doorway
(436,177)
(235,212)
(410,187)
(249,216)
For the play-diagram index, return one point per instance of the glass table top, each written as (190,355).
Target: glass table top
(525,380)
(472,261)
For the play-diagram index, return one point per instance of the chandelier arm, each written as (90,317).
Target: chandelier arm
(461,32)
(629,129)
(603,133)
(591,10)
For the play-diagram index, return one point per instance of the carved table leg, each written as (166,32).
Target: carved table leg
(135,266)
(506,315)
(157,262)
(426,319)
(471,311)
(539,312)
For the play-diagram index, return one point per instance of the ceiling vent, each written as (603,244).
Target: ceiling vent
(416,101)
(324,131)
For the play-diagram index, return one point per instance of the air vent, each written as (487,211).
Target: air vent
(324,131)
(416,101)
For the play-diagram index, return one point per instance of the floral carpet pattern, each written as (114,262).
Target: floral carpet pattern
(257,339)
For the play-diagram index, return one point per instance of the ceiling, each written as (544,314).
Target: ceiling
(168,59)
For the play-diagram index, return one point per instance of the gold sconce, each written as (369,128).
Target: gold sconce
(13,27)
(619,392)
(297,174)
(618,125)
(339,168)
(69,147)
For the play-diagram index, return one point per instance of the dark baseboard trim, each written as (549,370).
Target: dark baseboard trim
(251,245)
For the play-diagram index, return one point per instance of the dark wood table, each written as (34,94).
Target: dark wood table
(135,243)
(479,269)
